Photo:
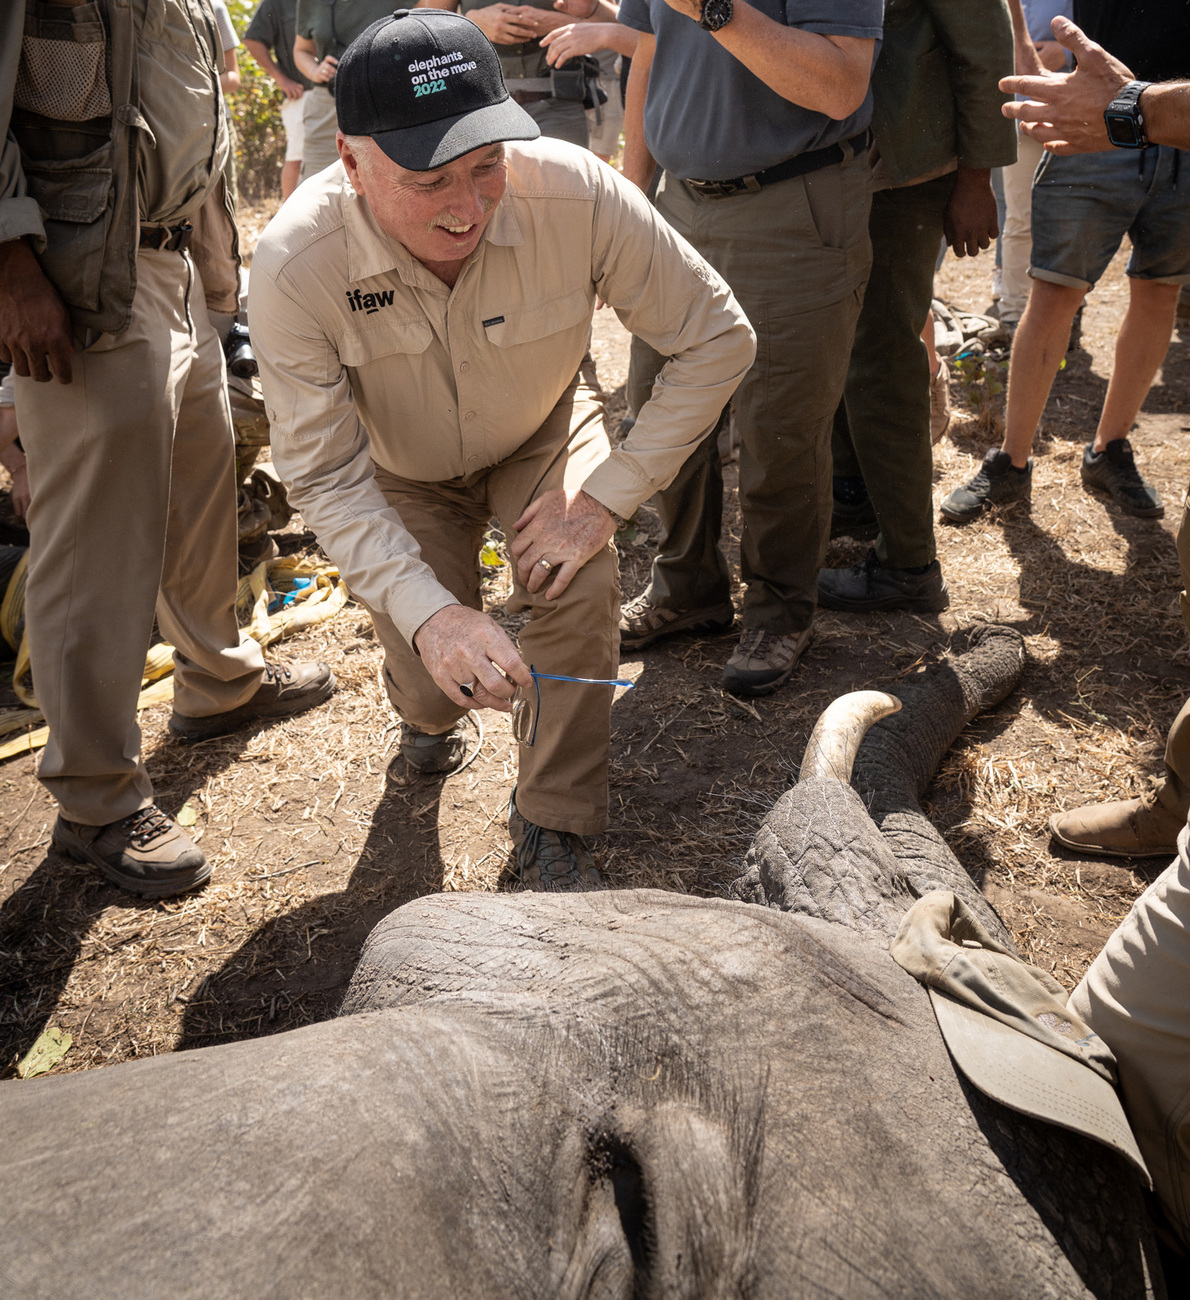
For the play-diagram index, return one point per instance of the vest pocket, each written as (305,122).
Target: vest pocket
(63,70)
(75,201)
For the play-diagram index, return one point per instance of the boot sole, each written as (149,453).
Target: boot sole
(935,605)
(182,884)
(698,623)
(745,690)
(223,724)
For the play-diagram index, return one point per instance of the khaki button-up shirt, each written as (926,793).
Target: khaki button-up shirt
(368,358)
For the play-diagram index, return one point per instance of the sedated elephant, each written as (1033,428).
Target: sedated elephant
(620,1094)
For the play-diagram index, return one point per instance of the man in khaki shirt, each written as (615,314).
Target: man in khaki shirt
(422,314)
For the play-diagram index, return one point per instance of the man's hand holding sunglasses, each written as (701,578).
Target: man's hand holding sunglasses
(461,646)
(558,533)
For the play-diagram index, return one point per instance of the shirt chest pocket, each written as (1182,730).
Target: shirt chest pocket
(530,323)
(358,348)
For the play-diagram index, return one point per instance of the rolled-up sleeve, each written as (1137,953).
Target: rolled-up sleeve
(668,296)
(321,451)
(19,214)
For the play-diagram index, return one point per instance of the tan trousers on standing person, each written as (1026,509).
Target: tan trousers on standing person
(1136,997)
(562,779)
(1016,239)
(320,126)
(134,511)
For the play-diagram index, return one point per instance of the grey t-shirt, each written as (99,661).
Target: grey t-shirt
(273,26)
(707,116)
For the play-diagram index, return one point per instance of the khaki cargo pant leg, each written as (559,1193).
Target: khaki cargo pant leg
(320,126)
(796,255)
(1135,998)
(131,467)
(561,119)
(562,781)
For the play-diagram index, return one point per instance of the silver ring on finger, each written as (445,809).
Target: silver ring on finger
(468,689)
(545,564)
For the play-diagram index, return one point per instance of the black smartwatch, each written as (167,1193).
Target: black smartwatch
(1125,122)
(713,14)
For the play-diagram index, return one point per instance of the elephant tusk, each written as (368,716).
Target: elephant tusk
(839,732)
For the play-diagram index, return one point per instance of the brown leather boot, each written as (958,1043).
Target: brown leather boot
(285,689)
(1124,828)
(146,853)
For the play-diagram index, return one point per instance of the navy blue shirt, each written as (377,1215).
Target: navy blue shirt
(707,116)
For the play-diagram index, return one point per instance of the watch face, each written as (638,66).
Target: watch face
(715,14)
(1121,131)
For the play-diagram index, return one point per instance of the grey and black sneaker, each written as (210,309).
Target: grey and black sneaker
(285,689)
(426,753)
(551,861)
(998,483)
(146,853)
(852,512)
(1113,470)
(864,588)
(642,622)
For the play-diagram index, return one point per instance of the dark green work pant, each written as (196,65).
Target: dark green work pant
(796,255)
(882,429)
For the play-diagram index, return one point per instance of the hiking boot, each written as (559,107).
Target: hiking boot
(1113,470)
(426,753)
(939,402)
(642,622)
(286,689)
(550,861)
(146,853)
(870,586)
(998,483)
(852,512)
(1125,828)
(763,661)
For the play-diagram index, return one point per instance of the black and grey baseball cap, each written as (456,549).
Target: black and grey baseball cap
(426,85)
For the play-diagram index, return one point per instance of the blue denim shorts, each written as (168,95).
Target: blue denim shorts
(1084,205)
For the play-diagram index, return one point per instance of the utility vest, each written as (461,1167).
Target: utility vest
(77,120)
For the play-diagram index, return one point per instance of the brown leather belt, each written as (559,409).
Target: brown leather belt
(529,96)
(170,239)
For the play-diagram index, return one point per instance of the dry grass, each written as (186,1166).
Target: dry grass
(312,846)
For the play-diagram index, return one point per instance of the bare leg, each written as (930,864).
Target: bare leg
(1037,351)
(290,171)
(1140,349)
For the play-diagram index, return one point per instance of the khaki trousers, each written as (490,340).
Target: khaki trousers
(1174,792)
(562,781)
(796,255)
(320,126)
(134,511)
(1016,240)
(1136,997)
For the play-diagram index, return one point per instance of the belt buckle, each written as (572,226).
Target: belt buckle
(714,189)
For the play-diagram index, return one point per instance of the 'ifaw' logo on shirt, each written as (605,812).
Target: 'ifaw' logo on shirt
(369,302)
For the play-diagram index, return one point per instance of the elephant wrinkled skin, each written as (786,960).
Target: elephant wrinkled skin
(620,1094)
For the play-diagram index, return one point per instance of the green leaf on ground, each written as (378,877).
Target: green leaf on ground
(491,557)
(49,1049)
(186,816)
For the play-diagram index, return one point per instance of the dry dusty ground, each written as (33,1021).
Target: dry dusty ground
(312,846)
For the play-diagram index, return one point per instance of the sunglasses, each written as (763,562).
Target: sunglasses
(526,703)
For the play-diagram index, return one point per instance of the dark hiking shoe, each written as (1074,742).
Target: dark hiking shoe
(997,483)
(642,622)
(147,853)
(763,661)
(424,753)
(550,861)
(1124,828)
(285,690)
(870,586)
(852,512)
(1113,470)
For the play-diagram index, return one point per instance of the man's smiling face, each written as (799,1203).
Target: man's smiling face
(440,215)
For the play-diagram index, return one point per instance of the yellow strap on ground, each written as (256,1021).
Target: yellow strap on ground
(322,600)
(12,609)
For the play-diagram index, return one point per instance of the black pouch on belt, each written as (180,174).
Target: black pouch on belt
(569,81)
